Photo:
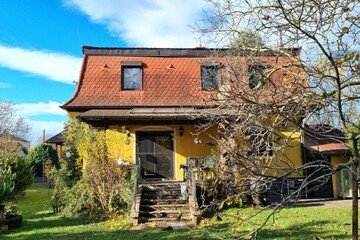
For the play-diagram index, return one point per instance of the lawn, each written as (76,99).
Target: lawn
(294,223)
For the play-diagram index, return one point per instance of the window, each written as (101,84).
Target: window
(131,73)
(260,142)
(210,76)
(257,76)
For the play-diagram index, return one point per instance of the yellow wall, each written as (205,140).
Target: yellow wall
(184,146)
(334,161)
(289,157)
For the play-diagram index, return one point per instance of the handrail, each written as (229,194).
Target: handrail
(135,208)
(191,185)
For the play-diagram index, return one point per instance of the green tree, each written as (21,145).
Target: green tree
(247,39)
(40,155)
(7,184)
(23,169)
(103,185)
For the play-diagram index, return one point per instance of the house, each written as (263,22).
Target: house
(19,145)
(154,97)
(57,142)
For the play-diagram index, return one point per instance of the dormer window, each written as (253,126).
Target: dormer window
(210,76)
(257,76)
(131,76)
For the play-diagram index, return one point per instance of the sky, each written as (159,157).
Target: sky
(40,46)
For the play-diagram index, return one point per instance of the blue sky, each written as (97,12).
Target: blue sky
(40,46)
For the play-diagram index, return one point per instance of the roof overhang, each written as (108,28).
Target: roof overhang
(144,113)
(330,149)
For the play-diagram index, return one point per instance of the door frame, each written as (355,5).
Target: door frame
(154,131)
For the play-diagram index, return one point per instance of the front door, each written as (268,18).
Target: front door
(155,154)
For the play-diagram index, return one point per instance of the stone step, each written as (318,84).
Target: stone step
(159,207)
(161,196)
(161,201)
(164,219)
(159,190)
(162,214)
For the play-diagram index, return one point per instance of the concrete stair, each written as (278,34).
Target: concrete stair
(162,204)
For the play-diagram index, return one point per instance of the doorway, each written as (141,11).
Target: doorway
(320,179)
(155,154)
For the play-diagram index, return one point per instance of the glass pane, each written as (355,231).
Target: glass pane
(132,78)
(256,74)
(209,78)
(346,181)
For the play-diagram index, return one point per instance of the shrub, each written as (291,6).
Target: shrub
(79,200)
(7,183)
(104,186)
(41,154)
(23,169)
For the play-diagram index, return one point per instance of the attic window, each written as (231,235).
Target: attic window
(210,76)
(257,76)
(131,76)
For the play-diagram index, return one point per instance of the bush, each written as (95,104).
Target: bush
(7,183)
(69,198)
(41,154)
(23,169)
(104,186)
(79,200)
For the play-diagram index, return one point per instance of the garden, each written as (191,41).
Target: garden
(39,222)
(88,196)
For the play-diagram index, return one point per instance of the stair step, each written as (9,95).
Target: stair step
(177,207)
(166,211)
(161,201)
(162,215)
(162,196)
(163,219)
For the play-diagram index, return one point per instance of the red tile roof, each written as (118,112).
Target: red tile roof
(326,140)
(100,79)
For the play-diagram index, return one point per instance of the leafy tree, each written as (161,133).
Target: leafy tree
(40,155)
(247,39)
(23,169)
(13,129)
(320,87)
(103,185)
(7,184)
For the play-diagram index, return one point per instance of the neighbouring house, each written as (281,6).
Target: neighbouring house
(327,143)
(57,142)
(152,97)
(24,146)
(21,145)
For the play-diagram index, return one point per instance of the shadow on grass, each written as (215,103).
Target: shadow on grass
(114,234)
(310,230)
(43,223)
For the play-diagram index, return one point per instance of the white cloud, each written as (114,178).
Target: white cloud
(51,128)
(33,109)
(4,85)
(54,66)
(145,23)
(50,110)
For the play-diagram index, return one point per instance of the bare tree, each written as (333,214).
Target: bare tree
(273,95)
(13,130)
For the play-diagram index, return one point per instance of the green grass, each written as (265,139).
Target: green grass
(294,223)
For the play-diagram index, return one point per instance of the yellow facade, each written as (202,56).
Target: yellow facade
(184,146)
(334,161)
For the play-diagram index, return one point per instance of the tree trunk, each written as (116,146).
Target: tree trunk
(355,187)
(2,212)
